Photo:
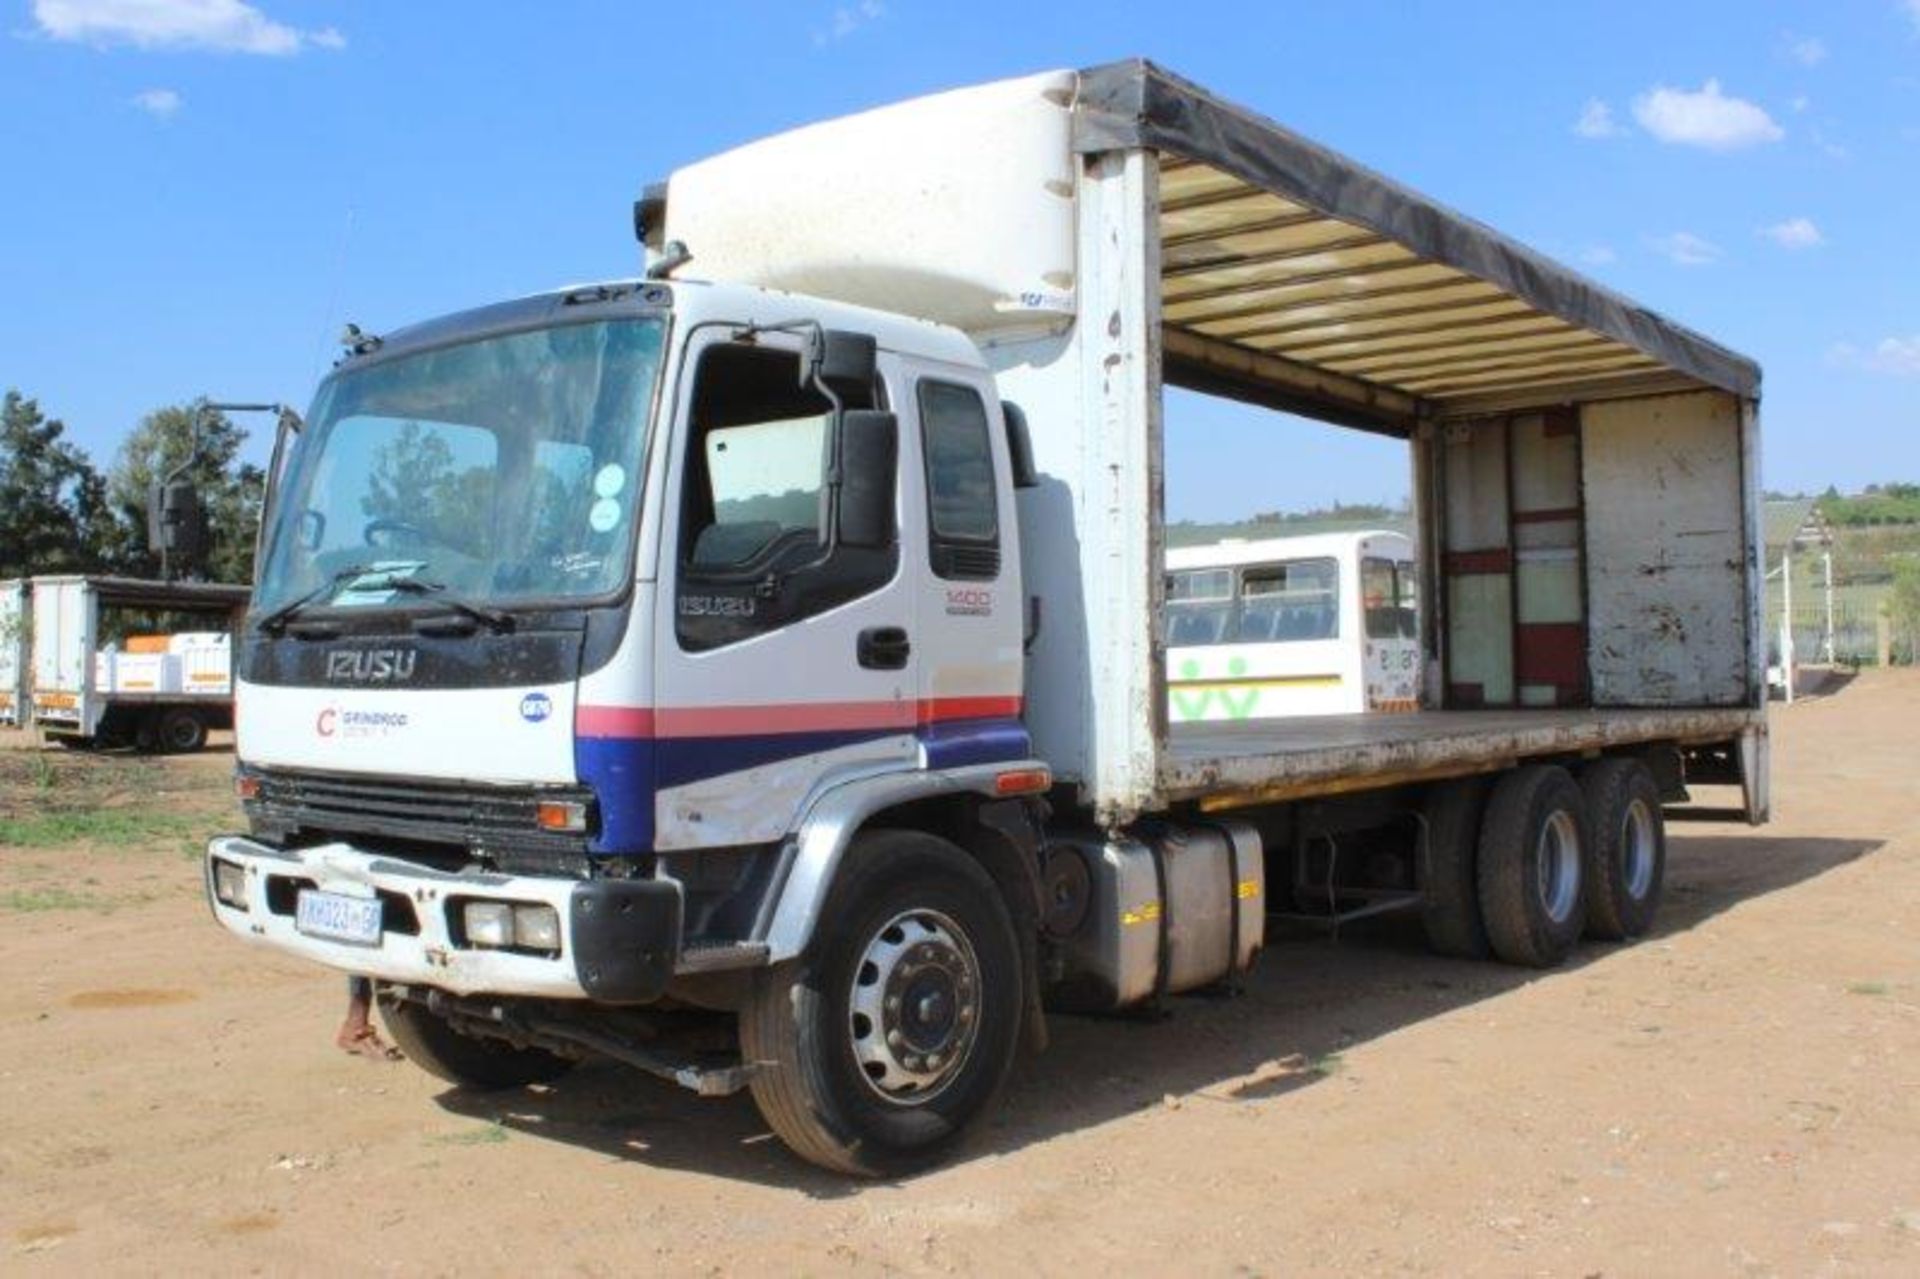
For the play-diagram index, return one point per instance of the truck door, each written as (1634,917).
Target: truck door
(971,611)
(779,666)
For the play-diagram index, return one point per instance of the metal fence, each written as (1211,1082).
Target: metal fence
(1856,632)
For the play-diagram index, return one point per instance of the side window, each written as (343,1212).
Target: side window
(753,518)
(1199,606)
(1296,600)
(1387,597)
(963,525)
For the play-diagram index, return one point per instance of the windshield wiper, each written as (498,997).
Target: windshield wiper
(276,621)
(491,617)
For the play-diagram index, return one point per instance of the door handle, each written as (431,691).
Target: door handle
(884,648)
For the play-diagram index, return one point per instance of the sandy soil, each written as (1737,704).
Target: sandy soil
(1739,1094)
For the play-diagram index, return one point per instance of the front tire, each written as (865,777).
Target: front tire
(899,1025)
(1532,858)
(466,1061)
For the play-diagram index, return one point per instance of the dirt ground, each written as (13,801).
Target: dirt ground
(1739,1094)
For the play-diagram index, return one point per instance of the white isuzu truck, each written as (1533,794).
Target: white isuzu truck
(775,643)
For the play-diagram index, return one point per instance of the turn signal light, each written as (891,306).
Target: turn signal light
(246,788)
(567,815)
(1023,781)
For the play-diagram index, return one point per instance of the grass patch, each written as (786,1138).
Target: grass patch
(1867,988)
(487,1135)
(34,900)
(1330,1065)
(120,827)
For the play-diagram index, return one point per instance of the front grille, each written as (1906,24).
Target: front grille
(483,820)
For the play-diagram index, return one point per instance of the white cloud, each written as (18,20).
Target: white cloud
(224,26)
(1598,255)
(1800,102)
(161,104)
(1808,51)
(1684,248)
(1596,121)
(1899,357)
(1795,233)
(1913,11)
(849,18)
(1706,118)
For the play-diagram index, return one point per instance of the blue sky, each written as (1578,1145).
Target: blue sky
(199,192)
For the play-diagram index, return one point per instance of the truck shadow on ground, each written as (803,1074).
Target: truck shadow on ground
(1310,998)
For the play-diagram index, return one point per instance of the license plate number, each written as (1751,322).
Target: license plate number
(338,917)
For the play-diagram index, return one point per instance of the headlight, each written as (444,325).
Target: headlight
(536,928)
(511,926)
(489,924)
(229,884)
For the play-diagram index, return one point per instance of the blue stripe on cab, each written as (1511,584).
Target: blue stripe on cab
(958,743)
(620,771)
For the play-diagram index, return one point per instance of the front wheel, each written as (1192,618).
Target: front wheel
(898,1027)
(466,1060)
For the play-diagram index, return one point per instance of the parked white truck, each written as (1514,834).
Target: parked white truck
(161,692)
(14,661)
(674,650)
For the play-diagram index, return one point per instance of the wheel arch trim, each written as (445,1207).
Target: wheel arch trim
(814,853)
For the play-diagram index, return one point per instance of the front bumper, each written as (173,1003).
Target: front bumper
(619,938)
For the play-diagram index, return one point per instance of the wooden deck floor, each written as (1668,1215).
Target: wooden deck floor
(1334,752)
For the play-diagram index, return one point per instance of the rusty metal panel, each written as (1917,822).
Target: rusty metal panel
(1666,551)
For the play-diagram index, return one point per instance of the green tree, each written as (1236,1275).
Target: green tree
(52,502)
(230,490)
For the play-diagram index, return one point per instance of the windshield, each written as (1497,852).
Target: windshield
(504,469)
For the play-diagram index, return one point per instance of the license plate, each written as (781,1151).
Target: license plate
(338,917)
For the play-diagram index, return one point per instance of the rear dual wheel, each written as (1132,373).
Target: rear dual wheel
(1627,854)
(1533,854)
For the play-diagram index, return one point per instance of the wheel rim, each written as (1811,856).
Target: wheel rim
(914,1007)
(181,734)
(1637,849)
(1557,865)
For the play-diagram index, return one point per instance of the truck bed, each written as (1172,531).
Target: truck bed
(1281,759)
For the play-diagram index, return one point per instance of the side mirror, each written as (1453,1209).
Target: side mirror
(869,461)
(1019,446)
(176,523)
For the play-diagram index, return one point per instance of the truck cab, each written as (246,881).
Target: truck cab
(547,676)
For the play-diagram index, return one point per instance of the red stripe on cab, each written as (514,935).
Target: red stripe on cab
(613,721)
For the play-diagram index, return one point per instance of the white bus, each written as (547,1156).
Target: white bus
(1319,625)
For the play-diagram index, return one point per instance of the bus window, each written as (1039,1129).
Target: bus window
(1387,593)
(1199,607)
(1297,600)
